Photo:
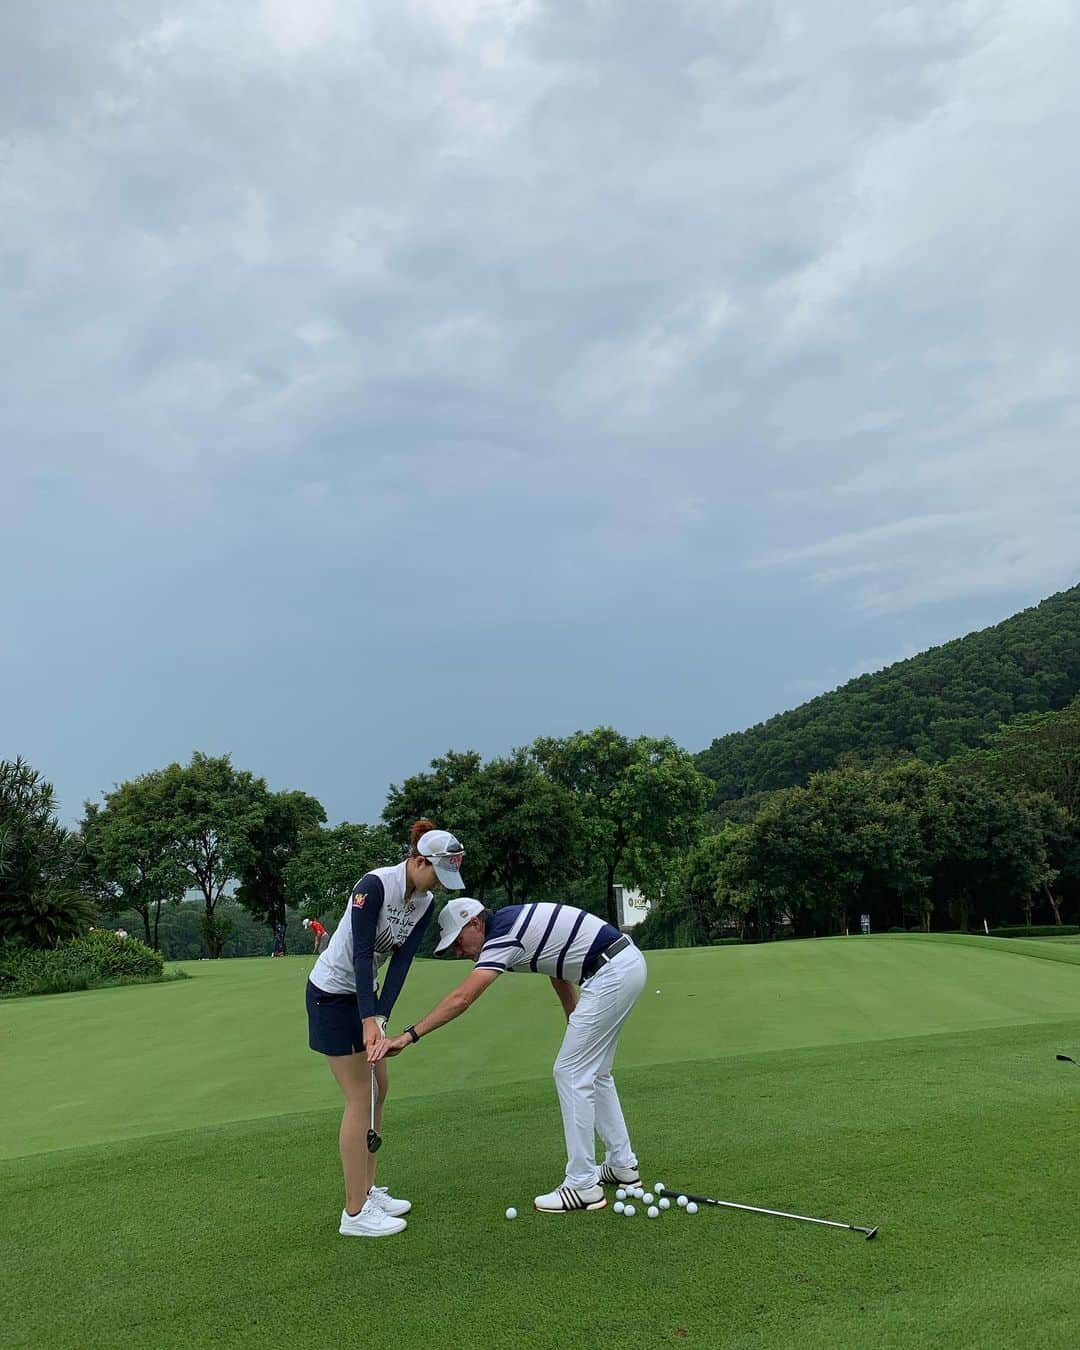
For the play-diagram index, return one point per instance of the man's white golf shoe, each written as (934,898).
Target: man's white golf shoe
(372,1221)
(611,1175)
(569,1198)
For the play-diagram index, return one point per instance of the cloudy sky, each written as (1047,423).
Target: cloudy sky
(389,377)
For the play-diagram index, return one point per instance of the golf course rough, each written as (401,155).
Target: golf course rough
(169,1170)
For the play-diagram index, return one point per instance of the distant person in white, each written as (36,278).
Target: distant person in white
(573,948)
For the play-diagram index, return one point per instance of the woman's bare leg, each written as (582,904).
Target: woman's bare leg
(353,1074)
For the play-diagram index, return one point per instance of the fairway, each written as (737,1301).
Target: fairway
(170,1173)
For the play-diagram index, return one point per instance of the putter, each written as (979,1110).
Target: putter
(776,1213)
(1068,1059)
(374,1138)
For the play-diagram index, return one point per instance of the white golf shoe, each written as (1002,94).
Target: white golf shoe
(386,1202)
(569,1198)
(372,1221)
(610,1175)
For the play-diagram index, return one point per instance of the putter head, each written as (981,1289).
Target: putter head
(1068,1059)
(872,1234)
(374,1139)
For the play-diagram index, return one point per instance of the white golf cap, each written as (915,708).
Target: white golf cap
(455,915)
(444,853)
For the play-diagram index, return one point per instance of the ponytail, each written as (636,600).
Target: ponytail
(419,829)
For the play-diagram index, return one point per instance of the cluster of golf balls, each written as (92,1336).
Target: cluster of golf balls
(625,1195)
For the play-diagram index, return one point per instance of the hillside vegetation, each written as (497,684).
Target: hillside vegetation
(931,706)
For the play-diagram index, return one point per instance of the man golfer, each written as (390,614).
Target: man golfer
(573,948)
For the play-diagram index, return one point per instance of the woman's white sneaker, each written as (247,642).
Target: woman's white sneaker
(568,1198)
(387,1203)
(372,1221)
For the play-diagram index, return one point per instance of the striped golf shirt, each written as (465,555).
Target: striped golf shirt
(555,940)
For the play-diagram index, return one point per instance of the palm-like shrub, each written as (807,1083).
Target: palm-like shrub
(39,863)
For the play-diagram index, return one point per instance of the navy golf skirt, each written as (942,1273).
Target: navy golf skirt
(334,1026)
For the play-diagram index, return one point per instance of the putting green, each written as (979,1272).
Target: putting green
(171,1172)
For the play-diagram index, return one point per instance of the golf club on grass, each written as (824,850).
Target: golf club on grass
(1068,1059)
(374,1138)
(776,1213)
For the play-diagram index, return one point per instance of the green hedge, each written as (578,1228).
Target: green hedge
(1037,930)
(98,957)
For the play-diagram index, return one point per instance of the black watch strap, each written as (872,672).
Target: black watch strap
(413,1034)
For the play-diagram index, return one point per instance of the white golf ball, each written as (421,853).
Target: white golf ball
(629,1211)
(653,1212)
(658,991)
(691,1208)
(511,1213)
(618,1207)
(648,1197)
(620,1194)
(681,1202)
(658,1187)
(638,1192)
(664,1202)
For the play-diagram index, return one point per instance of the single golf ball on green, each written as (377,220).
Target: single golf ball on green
(681,1202)
(653,1212)
(691,1208)
(618,1207)
(620,1194)
(648,1197)
(629,1211)
(511,1213)
(664,1202)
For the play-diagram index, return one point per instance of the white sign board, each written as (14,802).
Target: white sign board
(631,906)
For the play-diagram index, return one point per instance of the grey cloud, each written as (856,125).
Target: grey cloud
(569,314)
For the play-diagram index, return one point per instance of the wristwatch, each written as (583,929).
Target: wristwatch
(413,1034)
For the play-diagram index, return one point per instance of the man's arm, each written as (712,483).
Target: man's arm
(459,1000)
(568,995)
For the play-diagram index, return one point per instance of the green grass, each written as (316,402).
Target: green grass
(170,1172)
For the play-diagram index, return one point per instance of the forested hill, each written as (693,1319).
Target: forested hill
(931,705)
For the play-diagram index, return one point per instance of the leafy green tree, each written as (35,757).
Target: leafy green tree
(131,856)
(520,829)
(211,814)
(40,863)
(837,847)
(285,820)
(993,849)
(640,801)
(329,862)
(1039,754)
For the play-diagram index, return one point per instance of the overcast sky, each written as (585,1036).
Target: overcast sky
(389,377)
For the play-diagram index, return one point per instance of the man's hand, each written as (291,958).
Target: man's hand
(388,1045)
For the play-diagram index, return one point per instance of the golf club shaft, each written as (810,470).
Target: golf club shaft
(776,1213)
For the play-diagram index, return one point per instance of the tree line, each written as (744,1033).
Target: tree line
(568,813)
(989,836)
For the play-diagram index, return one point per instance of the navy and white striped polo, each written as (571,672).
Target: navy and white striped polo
(549,939)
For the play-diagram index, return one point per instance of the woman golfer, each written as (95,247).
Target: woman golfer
(573,948)
(387,913)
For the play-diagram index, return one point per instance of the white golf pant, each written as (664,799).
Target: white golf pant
(590,1104)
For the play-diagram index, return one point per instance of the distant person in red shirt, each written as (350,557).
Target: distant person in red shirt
(321,936)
